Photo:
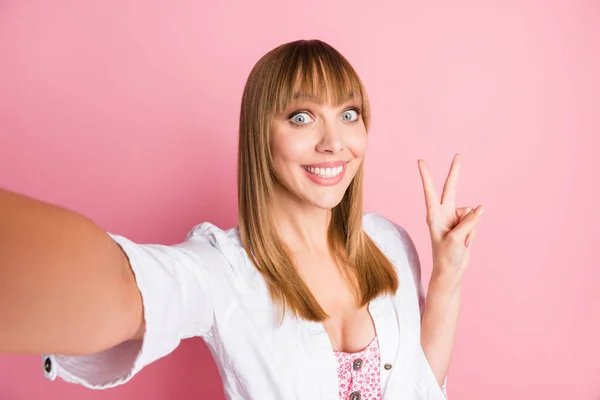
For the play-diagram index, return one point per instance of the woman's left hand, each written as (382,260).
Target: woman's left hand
(452,229)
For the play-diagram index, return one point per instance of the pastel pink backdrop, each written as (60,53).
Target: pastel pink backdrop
(127,112)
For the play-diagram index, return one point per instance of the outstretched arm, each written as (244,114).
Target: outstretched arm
(65,285)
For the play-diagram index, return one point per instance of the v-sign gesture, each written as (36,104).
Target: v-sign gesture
(452,229)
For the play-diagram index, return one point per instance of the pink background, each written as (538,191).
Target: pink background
(127,112)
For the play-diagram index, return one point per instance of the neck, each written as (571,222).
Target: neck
(302,226)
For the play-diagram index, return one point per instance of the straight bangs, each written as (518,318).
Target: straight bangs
(315,72)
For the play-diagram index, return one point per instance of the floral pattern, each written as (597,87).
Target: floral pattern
(359,372)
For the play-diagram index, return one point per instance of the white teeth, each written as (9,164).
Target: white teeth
(325,172)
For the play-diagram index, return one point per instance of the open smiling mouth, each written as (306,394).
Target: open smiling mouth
(325,172)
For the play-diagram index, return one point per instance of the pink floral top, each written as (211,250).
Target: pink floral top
(358,373)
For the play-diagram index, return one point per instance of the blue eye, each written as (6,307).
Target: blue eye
(301,118)
(350,115)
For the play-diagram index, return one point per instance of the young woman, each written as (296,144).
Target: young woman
(308,298)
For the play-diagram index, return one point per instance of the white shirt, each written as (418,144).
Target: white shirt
(208,287)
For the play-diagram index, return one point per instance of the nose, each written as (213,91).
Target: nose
(331,140)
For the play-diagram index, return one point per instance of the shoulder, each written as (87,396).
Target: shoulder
(208,233)
(216,247)
(396,243)
(386,233)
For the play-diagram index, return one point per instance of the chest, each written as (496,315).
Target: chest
(260,358)
(350,327)
(295,359)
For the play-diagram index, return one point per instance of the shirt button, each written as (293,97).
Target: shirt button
(355,396)
(357,364)
(387,366)
(48,365)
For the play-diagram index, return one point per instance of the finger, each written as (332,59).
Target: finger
(471,237)
(468,224)
(431,197)
(462,212)
(449,192)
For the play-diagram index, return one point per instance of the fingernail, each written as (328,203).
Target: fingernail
(479,211)
(468,243)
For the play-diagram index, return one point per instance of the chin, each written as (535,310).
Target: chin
(327,201)
(326,197)
(327,205)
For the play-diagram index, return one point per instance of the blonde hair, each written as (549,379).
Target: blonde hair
(313,68)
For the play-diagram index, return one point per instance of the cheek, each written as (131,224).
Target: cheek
(286,148)
(357,144)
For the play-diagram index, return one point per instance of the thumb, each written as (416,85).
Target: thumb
(468,222)
(463,212)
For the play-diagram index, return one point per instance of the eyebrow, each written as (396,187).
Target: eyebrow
(299,96)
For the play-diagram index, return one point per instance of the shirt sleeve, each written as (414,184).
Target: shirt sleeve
(428,387)
(176,289)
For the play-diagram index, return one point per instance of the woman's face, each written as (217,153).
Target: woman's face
(317,149)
